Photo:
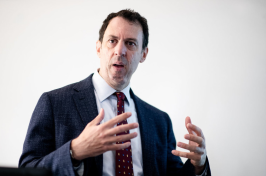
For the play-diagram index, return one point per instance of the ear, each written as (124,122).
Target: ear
(144,55)
(98,48)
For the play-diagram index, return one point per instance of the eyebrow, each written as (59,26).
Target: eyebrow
(133,39)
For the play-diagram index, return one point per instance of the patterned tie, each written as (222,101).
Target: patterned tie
(123,159)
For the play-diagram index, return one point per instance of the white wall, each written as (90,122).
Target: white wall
(209,56)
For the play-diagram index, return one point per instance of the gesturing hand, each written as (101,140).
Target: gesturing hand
(96,139)
(196,146)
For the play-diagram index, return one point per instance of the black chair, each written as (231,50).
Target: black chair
(8,171)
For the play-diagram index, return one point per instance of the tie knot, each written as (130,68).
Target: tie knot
(120,95)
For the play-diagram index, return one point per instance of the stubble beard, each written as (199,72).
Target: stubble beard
(119,80)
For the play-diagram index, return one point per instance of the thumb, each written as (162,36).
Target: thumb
(187,121)
(99,118)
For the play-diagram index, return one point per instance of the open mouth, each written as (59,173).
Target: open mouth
(118,65)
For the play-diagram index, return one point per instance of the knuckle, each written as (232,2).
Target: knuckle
(102,142)
(131,126)
(120,128)
(199,150)
(101,135)
(119,138)
(105,148)
(203,144)
(130,135)
(113,121)
(192,137)
(181,144)
(108,124)
(202,151)
(117,120)
(123,127)
(201,133)
(197,157)
(201,141)
(119,147)
(194,148)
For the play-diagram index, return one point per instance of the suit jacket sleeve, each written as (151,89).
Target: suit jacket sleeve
(39,149)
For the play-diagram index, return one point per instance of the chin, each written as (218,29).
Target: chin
(119,83)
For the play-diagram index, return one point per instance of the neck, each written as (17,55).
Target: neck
(113,84)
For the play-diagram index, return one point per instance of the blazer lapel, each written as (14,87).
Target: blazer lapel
(146,132)
(85,101)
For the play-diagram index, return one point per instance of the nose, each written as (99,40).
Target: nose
(120,49)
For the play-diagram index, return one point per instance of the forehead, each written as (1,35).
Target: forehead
(122,28)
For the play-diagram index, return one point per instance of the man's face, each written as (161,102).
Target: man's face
(120,52)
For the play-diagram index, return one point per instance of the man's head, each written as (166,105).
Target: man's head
(131,16)
(122,45)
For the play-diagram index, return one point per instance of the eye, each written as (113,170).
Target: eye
(131,43)
(112,41)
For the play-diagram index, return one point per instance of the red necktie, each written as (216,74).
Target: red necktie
(123,159)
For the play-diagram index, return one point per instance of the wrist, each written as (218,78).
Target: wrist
(199,169)
(75,162)
(74,150)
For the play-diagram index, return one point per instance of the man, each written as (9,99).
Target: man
(98,126)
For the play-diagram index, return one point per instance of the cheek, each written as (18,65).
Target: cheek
(109,54)
(107,58)
(134,61)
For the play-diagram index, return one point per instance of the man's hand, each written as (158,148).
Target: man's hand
(96,139)
(196,146)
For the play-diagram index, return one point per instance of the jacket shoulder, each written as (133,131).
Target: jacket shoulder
(157,114)
(71,88)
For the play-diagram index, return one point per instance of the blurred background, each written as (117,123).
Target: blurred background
(209,56)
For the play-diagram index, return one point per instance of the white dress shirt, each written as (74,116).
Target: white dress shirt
(106,100)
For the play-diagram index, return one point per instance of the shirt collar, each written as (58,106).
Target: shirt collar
(103,90)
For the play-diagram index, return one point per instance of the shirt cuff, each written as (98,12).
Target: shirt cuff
(79,169)
(204,173)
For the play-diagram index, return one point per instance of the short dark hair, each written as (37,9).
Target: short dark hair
(131,16)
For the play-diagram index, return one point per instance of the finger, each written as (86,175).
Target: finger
(117,119)
(199,140)
(119,146)
(97,120)
(195,128)
(122,128)
(193,156)
(188,121)
(191,148)
(122,138)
